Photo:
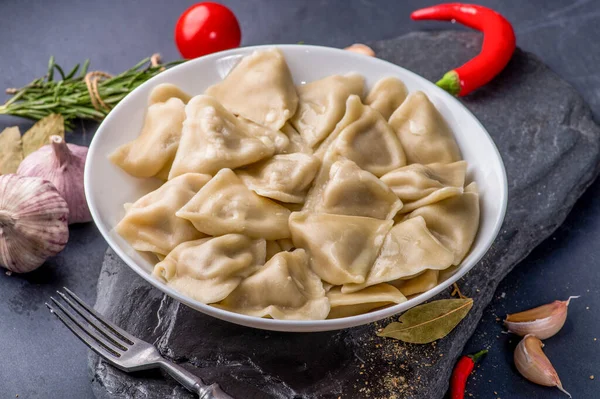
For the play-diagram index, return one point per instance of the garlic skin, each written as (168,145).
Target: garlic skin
(33,222)
(533,364)
(361,49)
(62,164)
(543,321)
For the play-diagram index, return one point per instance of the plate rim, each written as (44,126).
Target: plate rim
(295,325)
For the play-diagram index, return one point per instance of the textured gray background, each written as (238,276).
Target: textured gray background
(39,359)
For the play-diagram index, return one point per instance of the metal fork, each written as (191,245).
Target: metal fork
(122,349)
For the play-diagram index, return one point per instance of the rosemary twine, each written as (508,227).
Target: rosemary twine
(84,95)
(92,78)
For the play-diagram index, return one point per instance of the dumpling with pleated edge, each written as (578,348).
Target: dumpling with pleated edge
(453,221)
(417,185)
(371,298)
(296,142)
(342,248)
(418,284)
(155,148)
(209,269)
(408,249)
(349,190)
(164,91)
(284,288)
(284,177)
(322,104)
(150,223)
(386,96)
(225,205)
(423,132)
(280,140)
(364,136)
(259,88)
(213,138)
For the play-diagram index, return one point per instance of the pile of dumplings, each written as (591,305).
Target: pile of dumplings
(298,202)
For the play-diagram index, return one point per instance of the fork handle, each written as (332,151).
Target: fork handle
(192,382)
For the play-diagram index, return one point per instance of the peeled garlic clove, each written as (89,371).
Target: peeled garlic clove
(543,321)
(62,164)
(533,364)
(33,222)
(361,49)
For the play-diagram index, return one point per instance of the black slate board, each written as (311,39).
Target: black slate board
(551,150)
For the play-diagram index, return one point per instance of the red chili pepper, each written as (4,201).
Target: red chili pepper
(461,372)
(498,44)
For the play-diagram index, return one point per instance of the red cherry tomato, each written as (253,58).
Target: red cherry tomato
(206,28)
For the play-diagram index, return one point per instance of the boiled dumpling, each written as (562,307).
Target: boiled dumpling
(386,96)
(296,142)
(377,296)
(364,136)
(150,223)
(408,249)
(349,190)
(225,205)
(416,285)
(341,248)
(285,177)
(155,147)
(273,248)
(418,185)
(322,105)
(259,88)
(162,92)
(279,139)
(286,244)
(284,288)
(453,221)
(209,269)
(423,132)
(213,139)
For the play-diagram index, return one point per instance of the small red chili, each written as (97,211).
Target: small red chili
(461,372)
(498,44)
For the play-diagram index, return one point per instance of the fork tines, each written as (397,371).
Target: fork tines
(103,337)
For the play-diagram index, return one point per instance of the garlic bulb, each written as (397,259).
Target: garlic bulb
(533,364)
(62,164)
(361,49)
(33,222)
(543,321)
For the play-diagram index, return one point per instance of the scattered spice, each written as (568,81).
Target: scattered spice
(591,377)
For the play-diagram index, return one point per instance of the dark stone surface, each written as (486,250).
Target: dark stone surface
(39,357)
(551,149)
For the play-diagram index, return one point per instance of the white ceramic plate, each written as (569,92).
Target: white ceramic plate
(107,187)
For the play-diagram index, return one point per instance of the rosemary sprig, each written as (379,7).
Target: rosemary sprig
(69,96)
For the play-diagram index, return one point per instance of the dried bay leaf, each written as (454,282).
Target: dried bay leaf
(39,134)
(11,150)
(428,322)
